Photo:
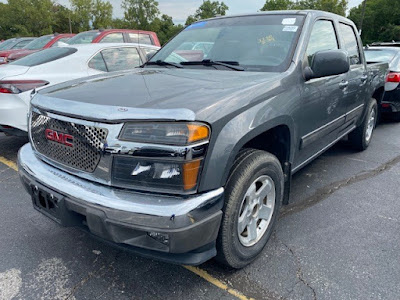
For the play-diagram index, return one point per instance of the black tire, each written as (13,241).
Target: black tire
(358,138)
(248,166)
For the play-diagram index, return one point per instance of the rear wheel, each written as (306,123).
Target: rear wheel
(362,135)
(253,197)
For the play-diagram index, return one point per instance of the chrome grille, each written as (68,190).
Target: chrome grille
(88,142)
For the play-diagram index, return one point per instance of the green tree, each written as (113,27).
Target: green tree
(62,17)
(140,14)
(208,10)
(102,14)
(82,14)
(165,28)
(381,21)
(277,5)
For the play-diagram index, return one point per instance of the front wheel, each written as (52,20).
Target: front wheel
(361,137)
(253,197)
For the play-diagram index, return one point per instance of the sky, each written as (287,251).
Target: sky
(181,9)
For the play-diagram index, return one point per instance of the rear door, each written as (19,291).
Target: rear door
(357,76)
(322,110)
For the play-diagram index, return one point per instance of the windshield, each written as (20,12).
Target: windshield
(44,56)
(379,55)
(39,43)
(7,44)
(83,38)
(261,43)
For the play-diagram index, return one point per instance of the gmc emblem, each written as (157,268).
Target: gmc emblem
(58,137)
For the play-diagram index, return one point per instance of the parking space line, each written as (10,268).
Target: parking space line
(203,274)
(8,163)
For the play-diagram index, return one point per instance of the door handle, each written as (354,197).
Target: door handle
(364,78)
(343,84)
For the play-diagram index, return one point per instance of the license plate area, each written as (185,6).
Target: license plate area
(48,202)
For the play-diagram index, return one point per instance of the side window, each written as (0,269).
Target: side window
(119,59)
(140,38)
(149,52)
(350,43)
(97,63)
(322,37)
(21,44)
(113,38)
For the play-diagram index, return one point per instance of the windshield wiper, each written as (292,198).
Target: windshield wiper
(234,65)
(162,63)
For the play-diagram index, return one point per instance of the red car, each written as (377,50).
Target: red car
(116,36)
(38,44)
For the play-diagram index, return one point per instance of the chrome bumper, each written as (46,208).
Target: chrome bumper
(126,217)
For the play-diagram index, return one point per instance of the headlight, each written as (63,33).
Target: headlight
(158,175)
(179,134)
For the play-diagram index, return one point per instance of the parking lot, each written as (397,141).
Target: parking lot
(338,239)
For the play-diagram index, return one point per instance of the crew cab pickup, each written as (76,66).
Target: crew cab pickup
(190,157)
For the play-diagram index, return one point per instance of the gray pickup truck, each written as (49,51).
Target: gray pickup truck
(191,156)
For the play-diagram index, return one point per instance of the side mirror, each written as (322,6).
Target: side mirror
(327,63)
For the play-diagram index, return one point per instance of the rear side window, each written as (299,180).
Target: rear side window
(350,43)
(44,56)
(116,59)
(113,38)
(98,63)
(140,38)
(322,38)
(21,44)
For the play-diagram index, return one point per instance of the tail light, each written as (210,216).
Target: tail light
(393,77)
(20,86)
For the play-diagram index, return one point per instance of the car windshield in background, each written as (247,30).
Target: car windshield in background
(83,38)
(38,43)
(379,55)
(7,44)
(254,43)
(44,56)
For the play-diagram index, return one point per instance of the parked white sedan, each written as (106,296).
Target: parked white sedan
(56,65)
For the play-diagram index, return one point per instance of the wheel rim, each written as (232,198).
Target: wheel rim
(256,211)
(371,125)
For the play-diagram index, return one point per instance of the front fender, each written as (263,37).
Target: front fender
(240,130)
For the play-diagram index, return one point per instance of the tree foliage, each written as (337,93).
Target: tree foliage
(39,17)
(140,13)
(208,9)
(335,6)
(381,20)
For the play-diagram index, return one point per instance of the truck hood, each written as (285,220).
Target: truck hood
(158,93)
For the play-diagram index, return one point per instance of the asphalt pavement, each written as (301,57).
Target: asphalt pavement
(338,239)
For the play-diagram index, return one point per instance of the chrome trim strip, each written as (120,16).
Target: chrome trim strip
(294,170)
(119,199)
(331,122)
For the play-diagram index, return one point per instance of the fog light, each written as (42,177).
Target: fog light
(162,238)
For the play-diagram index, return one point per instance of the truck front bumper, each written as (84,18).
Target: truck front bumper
(174,229)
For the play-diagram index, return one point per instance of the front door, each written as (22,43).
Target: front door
(322,110)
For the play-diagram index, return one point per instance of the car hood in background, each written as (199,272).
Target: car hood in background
(194,93)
